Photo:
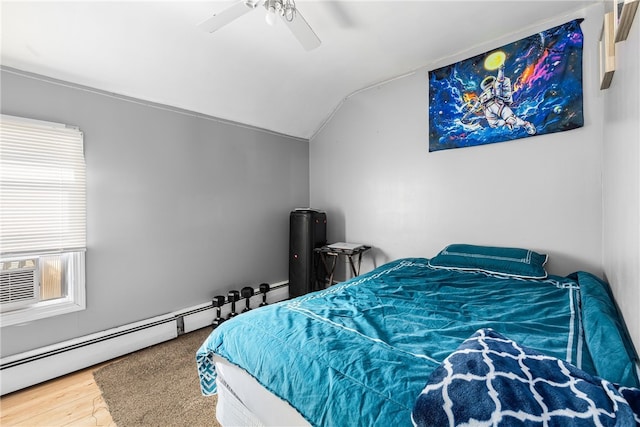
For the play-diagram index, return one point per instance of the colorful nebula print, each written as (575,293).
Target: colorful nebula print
(545,76)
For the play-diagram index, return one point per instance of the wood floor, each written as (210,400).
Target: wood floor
(72,400)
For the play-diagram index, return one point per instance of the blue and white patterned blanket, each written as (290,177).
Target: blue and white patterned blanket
(492,381)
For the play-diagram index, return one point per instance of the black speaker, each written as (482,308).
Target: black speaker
(307,231)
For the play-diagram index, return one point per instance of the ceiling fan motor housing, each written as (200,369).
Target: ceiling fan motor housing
(252,3)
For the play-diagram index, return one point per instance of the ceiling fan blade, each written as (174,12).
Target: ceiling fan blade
(302,31)
(226,16)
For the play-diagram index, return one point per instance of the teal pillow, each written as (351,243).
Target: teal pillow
(514,262)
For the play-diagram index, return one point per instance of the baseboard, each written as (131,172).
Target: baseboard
(33,367)
(202,316)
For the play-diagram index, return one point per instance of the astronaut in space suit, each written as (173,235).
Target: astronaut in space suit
(495,101)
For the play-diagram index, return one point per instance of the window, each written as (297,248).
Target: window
(42,219)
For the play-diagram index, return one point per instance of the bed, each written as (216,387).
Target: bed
(404,343)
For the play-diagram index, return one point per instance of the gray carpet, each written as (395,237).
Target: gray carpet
(158,386)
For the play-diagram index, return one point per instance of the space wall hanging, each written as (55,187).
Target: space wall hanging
(530,87)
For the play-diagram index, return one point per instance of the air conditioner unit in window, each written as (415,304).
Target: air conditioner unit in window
(18,283)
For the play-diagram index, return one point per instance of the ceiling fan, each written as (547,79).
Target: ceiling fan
(285,9)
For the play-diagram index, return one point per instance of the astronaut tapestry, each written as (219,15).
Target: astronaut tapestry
(530,87)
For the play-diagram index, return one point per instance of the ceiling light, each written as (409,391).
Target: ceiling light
(285,8)
(271,16)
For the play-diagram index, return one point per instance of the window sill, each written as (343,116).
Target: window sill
(41,310)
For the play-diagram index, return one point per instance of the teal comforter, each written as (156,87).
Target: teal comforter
(359,353)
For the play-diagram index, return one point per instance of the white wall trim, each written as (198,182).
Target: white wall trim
(35,366)
(201,316)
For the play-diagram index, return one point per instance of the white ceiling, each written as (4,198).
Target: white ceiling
(249,72)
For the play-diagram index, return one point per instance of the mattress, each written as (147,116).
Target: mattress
(242,401)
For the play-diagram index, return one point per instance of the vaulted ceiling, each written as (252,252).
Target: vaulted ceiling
(249,72)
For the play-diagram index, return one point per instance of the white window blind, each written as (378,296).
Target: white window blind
(42,187)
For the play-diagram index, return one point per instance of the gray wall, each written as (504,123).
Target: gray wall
(179,207)
(621,181)
(371,170)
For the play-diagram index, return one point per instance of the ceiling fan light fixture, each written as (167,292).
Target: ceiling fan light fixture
(287,10)
(270,17)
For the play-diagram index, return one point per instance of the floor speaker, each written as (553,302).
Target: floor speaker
(307,231)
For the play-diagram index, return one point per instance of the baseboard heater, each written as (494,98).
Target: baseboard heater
(33,367)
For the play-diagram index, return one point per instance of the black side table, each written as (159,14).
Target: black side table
(330,254)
